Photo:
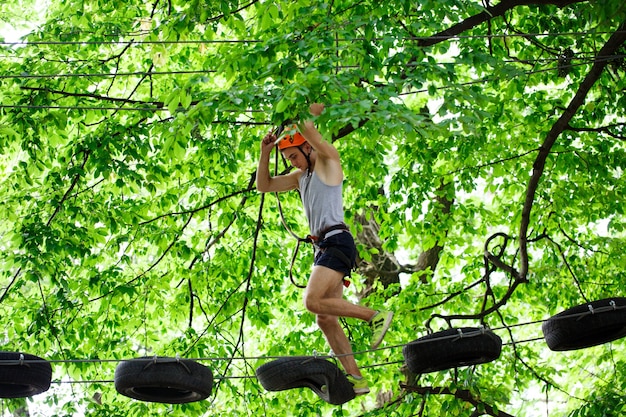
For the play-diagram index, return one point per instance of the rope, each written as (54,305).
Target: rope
(246,358)
(165,109)
(277,133)
(106,74)
(110,381)
(461,335)
(225,377)
(587,60)
(226,41)
(299,239)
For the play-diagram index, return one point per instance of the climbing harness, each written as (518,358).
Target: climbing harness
(325,234)
(315,241)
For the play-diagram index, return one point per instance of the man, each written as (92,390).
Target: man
(319,178)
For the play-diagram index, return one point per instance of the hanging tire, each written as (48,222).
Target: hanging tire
(23,375)
(452,348)
(306,372)
(163,380)
(586,325)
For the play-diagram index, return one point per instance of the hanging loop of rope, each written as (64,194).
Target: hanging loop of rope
(299,239)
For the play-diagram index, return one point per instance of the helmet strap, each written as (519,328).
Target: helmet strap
(308,159)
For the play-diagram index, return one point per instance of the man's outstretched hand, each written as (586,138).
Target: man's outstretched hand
(316,109)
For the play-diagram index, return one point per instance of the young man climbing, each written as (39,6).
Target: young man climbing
(319,178)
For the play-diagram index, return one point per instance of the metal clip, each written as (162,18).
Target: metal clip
(591,309)
(149,363)
(21,360)
(612,304)
(183,364)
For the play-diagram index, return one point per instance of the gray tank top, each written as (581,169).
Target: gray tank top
(323,204)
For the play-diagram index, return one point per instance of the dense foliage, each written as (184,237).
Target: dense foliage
(484,144)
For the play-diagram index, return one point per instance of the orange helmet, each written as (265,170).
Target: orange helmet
(291,138)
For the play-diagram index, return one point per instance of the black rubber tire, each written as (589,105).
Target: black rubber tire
(18,380)
(306,372)
(447,350)
(164,380)
(578,328)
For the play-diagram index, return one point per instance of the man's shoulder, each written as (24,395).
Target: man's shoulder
(330,171)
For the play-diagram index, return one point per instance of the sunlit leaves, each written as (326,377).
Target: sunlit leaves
(130,217)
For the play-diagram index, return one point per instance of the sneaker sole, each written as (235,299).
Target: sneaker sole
(386,326)
(358,391)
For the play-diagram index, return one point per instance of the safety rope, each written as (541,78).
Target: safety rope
(458,335)
(299,239)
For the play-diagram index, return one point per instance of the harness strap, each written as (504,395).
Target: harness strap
(293,261)
(325,232)
(335,252)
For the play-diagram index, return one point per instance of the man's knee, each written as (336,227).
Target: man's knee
(324,321)
(311,303)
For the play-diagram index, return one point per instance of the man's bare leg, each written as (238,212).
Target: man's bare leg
(324,295)
(324,298)
(338,342)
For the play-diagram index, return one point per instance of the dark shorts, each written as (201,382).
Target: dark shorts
(343,242)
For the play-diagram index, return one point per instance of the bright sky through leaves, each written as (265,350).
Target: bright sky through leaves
(130,224)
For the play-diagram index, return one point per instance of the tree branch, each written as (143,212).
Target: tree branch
(157,104)
(609,48)
(57,209)
(222,16)
(461,394)
(603,129)
(485,16)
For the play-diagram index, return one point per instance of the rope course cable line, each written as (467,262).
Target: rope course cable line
(459,335)
(110,381)
(105,381)
(106,74)
(356,39)
(163,108)
(375,365)
(112,108)
(590,59)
